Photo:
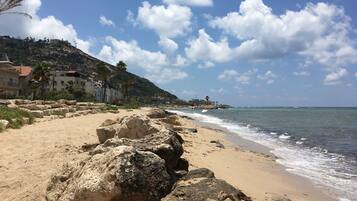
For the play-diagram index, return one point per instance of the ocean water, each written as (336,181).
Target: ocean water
(317,143)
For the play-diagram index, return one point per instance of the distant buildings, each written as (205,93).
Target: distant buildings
(16,81)
(9,78)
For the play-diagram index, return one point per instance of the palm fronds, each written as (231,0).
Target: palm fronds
(6,5)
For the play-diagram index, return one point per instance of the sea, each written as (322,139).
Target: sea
(317,143)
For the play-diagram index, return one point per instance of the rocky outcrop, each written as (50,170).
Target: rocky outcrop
(200,185)
(131,127)
(122,173)
(158,113)
(143,134)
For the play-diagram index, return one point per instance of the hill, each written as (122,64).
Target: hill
(61,55)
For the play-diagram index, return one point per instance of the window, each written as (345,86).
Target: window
(62,83)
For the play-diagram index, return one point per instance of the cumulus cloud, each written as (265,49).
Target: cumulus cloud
(242,78)
(205,49)
(169,46)
(167,21)
(106,22)
(157,65)
(320,32)
(48,27)
(335,76)
(190,2)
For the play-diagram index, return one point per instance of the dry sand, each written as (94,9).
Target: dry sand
(29,156)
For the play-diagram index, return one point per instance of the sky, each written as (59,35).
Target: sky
(243,53)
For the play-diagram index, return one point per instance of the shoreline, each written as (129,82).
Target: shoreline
(31,155)
(240,159)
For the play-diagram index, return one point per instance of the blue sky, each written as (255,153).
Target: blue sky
(244,53)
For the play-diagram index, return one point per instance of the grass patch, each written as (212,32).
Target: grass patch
(15,117)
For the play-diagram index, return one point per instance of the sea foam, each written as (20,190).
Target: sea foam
(316,164)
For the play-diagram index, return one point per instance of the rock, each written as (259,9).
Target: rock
(218,144)
(166,144)
(105,133)
(173,120)
(36,107)
(26,120)
(70,102)
(157,113)
(121,173)
(201,185)
(4,123)
(37,113)
(199,173)
(182,164)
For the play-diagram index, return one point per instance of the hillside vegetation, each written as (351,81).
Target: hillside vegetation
(61,55)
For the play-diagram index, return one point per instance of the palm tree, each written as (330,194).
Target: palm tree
(121,66)
(126,84)
(6,5)
(41,75)
(103,74)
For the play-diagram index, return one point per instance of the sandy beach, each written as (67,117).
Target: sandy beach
(29,156)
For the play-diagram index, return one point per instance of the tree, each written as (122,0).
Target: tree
(126,84)
(41,75)
(207,100)
(121,66)
(6,5)
(103,74)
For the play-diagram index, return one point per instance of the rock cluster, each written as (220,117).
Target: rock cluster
(55,109)
(138,159)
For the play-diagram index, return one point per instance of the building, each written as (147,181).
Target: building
(25,77)
(62,80)
(9,78)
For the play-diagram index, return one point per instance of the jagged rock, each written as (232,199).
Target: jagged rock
(201,185)
(36,107)
(4,123)
(121,173)
(157,113)
(182,164)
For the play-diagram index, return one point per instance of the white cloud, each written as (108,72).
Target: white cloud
(48,27)
(190,2)
(105,21)
(319,32)
(335,76)
(169,46)
(356,74)
(205,49)
(269,77)
(301,73)
(218,91)
(157,66)
(167,21)
(242,78)
(206,64)
(228,75)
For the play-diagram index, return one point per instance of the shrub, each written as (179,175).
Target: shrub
(15,116)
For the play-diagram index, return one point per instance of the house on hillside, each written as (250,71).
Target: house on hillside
(25,77)
(9,78)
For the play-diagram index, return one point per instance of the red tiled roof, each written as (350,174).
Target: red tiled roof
(23,70)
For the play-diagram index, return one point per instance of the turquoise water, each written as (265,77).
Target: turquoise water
(317,143)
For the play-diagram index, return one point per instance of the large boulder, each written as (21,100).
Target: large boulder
(200,185)
(165,143)
(131,127)
(119,174)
